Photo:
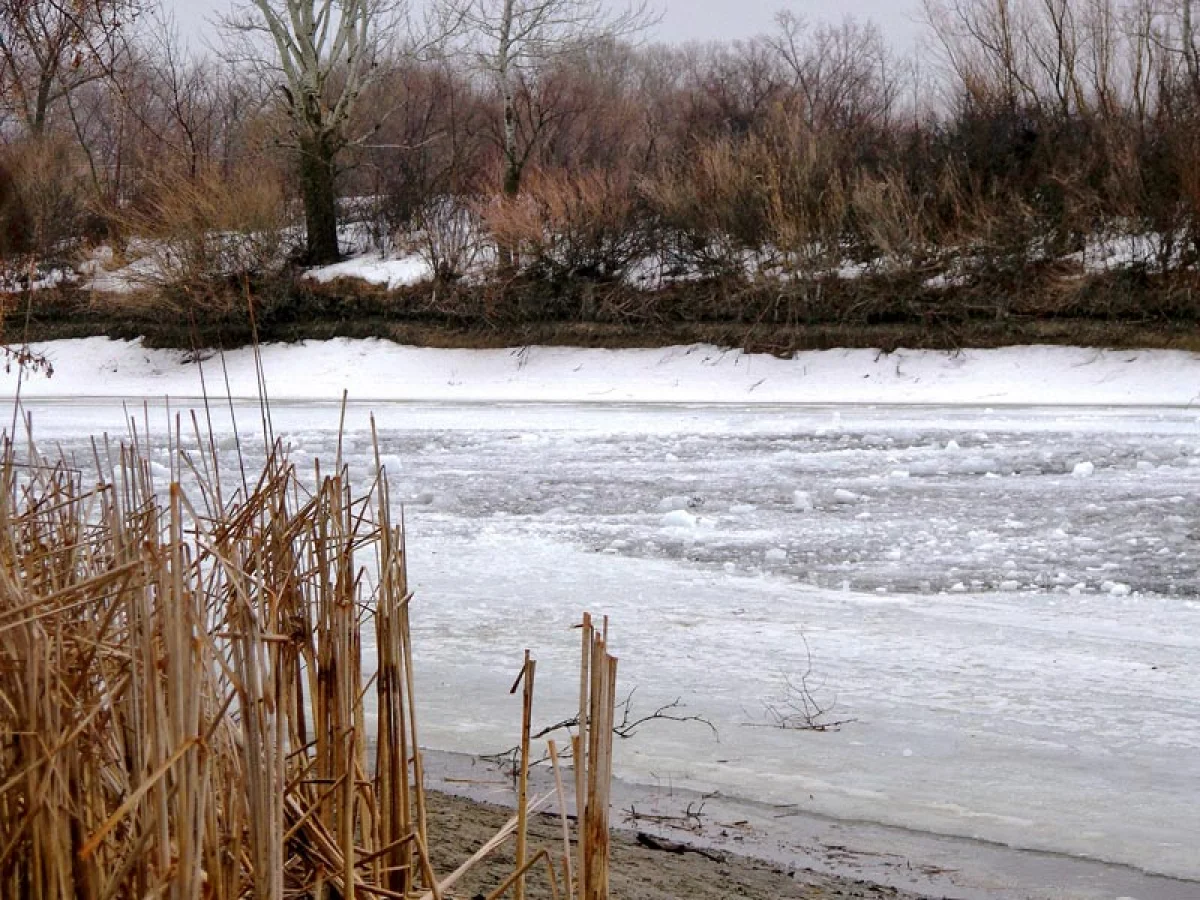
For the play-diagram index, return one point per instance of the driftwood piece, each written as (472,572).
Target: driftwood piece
(651,842)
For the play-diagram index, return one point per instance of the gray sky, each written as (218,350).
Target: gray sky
(690,20)
(706,20)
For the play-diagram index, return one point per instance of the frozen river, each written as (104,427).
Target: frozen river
(1004,603)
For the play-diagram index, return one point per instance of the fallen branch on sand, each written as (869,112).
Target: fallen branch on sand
(651,842)
(624,729)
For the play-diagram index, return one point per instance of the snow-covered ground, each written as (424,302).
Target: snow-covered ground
(374,259)
(1003,597)
(378,269)
(375,370)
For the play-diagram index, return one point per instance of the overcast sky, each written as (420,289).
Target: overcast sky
(690,20)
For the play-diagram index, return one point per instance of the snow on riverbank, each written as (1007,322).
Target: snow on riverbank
(375,370)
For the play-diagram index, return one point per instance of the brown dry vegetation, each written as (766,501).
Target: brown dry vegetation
(731,183)
(184,677)
(884,310)
(182,686)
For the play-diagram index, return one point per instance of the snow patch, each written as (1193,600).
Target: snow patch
(375,268)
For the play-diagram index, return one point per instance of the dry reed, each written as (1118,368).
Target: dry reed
(183,705)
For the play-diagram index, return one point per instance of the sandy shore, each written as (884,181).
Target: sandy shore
(460,826)
(765,850)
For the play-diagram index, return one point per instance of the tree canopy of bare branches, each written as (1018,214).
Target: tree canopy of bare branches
(513,42)
(50,48)
(325,55)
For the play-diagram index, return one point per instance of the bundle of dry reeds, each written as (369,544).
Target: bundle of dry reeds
(592,748)
(183,705)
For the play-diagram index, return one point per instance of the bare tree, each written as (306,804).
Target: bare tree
(1054,40)
(1171,26)
(983,43)
(1101,42)
(50,48)
(1139,27)
(515,40)
(174,98)
(1187,43)
(739,84)
(841,73)
(325,51)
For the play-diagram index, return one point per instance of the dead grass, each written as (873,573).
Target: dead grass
(206,238)
(588,224)
(711,208)
(1059,304)
(45,198)
(183,689)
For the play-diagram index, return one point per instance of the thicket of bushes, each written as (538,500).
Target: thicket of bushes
(812,175)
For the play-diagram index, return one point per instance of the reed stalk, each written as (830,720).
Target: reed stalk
(184,684)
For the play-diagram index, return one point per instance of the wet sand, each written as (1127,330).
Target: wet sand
(766,850)
(460,826)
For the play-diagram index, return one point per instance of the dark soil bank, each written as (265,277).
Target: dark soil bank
(1115,310)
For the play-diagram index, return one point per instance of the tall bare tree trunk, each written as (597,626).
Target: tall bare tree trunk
(41,104)
(512,159)
(314,41)
(317,175)
(512,169)
(1191,57)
